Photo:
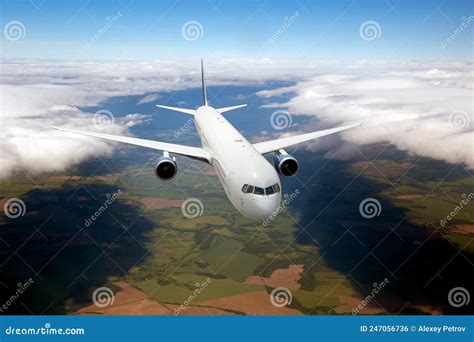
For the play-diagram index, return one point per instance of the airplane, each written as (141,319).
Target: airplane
(250,182)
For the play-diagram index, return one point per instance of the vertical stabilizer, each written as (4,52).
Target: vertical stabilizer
(204,95)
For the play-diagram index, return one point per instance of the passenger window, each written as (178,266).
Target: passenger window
(259,191)
(276,187)
(269,190)
(244,188)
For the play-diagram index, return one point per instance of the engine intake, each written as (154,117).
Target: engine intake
(286,164)
(166,167)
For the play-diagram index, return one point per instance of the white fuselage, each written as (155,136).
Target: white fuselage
(237,163)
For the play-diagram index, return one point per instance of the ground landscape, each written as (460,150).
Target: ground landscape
(319,248)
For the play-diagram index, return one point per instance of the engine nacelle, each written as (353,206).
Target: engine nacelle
(166,167)
(286,164)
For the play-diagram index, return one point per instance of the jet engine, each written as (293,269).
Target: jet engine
(166,167)
(285,164)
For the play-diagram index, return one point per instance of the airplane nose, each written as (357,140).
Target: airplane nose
(265,207)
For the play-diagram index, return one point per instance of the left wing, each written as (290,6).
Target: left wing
(189,151)
(276,144)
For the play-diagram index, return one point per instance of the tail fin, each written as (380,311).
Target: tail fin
(204,95)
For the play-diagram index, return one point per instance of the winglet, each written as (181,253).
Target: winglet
(204,95)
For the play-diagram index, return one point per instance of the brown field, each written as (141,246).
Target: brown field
(379,306)
(160,203)
(254,303)
(132,301)
(284,277)
(463,228)
(406,196)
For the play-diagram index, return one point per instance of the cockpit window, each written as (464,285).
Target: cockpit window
(249,189)
(269,190)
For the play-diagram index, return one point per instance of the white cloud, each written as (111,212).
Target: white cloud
(149,98)
(410,105)
(405,103)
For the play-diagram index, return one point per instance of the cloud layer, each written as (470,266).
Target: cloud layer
(425,108)
(422,107)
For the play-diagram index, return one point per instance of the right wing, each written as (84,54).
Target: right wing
(276,144)
(189,151)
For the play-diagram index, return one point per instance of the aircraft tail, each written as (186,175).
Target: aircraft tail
(204,95)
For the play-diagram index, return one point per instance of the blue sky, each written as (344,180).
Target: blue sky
(238,29)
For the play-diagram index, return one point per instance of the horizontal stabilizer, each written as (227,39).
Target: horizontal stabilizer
(228,109)
(181,110)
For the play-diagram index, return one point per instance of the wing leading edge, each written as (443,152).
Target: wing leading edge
(188,151)
(276,144)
